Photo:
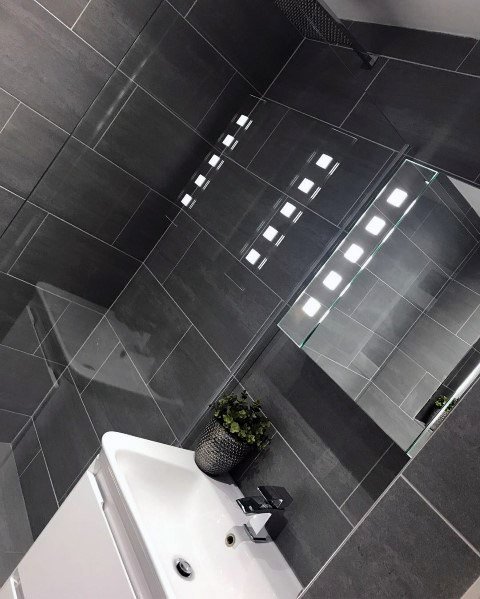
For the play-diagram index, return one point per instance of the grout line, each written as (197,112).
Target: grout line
(181,257)
(80,15)
(9,118)
(83,404)
(131,216)
(169,354)
(287,62)
(190,9)
(29,463)
(234,282)
(266,140)
(468,54)
(17,413)
(40,341)
(440,515)
(101,365)
(368,473)
(230,79)
(45,460)
(27,244)
(135,87)
(466,322)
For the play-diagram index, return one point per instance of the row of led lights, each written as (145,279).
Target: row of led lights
(353,254)
(288,209)
(215,161)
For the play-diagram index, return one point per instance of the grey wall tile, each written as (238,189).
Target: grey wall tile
(10,204)
(28,144)
(10,425)
(111,26)
(444,471)
(18,234)
(89,191)
(420,394)
(454,306)
(7,106)
(118,400)
(234,303)
(472,63)
(402,549)
(64,74)
(398,376)
(152,144)
(75,263)
(315,527)
(190,378)
(25,448)
(175,64)
(66,10)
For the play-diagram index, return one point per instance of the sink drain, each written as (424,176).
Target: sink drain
(183,568)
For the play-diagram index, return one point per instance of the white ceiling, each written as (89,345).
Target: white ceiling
(460,17)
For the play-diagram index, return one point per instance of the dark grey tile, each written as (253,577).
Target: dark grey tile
(398,376)
(389,417)
(224,300)
(426,286)
(386,313)
(331,96)
(111,26)
(470,332)
(402,549)
(454,306)
(89,191)
(25,381)
(10,425)
(374,484)
(39,496)
(444,471)
(66,10)
(472,63)
(371,356)
(177,65)
(362,284)
(418,100)
(183,6)
(7,106)
(154,145)
(64,74)
(61,419)
(104,109)
(93,354)
(172,246)
(146,226)
(10,204)
(148,322)
(420,394)
(434,347)
(315,527)
(256,37)
(118,400)
(16,326)
(28,144)
(75,263)
(222,112)
(25,448)
(426,47)
(316,416)
(469,274)
(350,381)
(190,378)
(18,234)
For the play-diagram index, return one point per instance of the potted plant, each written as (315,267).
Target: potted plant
(238,426)
(439,404)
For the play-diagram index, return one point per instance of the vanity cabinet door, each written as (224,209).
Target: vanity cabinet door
(76,557)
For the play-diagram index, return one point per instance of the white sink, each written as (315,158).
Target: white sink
(176,511)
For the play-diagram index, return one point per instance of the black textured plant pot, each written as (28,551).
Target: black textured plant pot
(217,451)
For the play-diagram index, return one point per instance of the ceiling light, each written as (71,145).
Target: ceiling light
(332,280)
(354,253)
(252,256)
(200,180)
(228,140)
(306,185)
(324,161)
(397,197)
(214,160)
(270,233)
(186,199)
(288,209)
(375,225)
(311,306)
(242,120)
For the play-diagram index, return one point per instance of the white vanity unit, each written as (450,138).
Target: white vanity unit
(145,523)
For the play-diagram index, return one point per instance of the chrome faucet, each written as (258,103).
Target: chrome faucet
(272,500)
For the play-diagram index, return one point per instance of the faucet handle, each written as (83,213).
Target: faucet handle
(278,497)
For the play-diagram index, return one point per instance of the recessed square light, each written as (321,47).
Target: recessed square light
(228,140)
(375,225)
(311,306)
(354,253)
(306,185)
(200,180)
(397,197)
(252,256)
(186,199)
(214,160)
(242,120)
(324,161)
(270,233)
(332,280)
(288,209)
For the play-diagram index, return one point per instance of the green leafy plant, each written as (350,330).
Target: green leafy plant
(442,400)
(243,419)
